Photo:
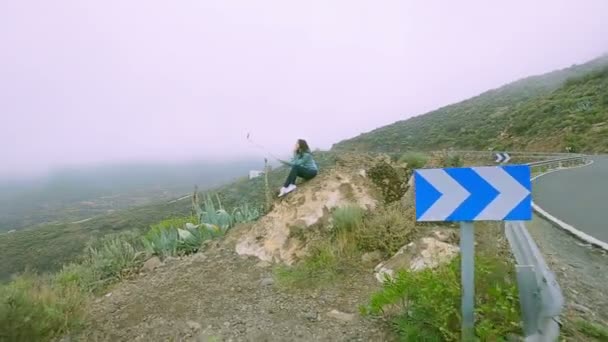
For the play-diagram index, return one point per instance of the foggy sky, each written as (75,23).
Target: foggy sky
(95,81)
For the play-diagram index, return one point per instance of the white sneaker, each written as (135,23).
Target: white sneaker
(290,188)
(282,192)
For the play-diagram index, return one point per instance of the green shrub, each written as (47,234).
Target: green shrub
(390,181)
(387,229)
(427,303)
(593,330)
(31,309)
(414,160)
(451,161)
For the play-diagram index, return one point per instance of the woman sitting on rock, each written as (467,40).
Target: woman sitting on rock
(302,165)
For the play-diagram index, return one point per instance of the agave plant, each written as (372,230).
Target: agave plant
(245,214)
(111,257)
(161,241)
(208,214)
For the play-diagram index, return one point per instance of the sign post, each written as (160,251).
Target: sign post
(467,275)
(468,194)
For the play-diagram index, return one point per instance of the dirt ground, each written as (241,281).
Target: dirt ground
(221,296)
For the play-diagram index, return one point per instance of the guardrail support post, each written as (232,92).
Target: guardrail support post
(528,298)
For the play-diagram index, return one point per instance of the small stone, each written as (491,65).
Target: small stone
(514,338)
(151,264)
(581,308)
(341,316)
(312,316)
(371,257)
(266,282)
(193,325)
(263,264)
(109,294)
(227,324)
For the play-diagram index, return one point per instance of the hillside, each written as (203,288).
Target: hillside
(78,193)
(563,108)
(58,243)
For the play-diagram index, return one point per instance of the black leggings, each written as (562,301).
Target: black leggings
(298,171)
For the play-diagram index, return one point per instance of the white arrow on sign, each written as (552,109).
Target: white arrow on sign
(453,194)
(510,192)
(502,157)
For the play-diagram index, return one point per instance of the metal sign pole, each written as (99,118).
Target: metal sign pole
(467,265)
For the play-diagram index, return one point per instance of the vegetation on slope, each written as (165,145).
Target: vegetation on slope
(46,247)
(564,108)
(42,307)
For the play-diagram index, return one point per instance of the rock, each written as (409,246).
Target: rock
(581,308)
(227,324)
(151,264)
(371,257)
(266,282)
(363,173)
(341,316)
(199,257)
(312,316)
(109,294)
(192,225)
(425,253)
(447,236)
(514,338)
(193,325)
(263,264)
(183,234)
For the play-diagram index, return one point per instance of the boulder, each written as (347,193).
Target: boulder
(151,264)
(427,252)
(276,237)
(371,257)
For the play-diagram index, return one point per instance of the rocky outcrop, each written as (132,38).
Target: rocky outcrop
(274,238)
(427,252)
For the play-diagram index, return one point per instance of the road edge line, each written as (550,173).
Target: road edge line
(563,225)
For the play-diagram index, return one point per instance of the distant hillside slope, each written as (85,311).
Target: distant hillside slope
(563,108)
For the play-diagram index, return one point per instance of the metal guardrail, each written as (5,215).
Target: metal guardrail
(540,296)
(560,162)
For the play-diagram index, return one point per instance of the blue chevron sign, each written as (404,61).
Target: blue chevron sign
(487,193)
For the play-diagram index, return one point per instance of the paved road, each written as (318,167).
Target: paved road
(578,197)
